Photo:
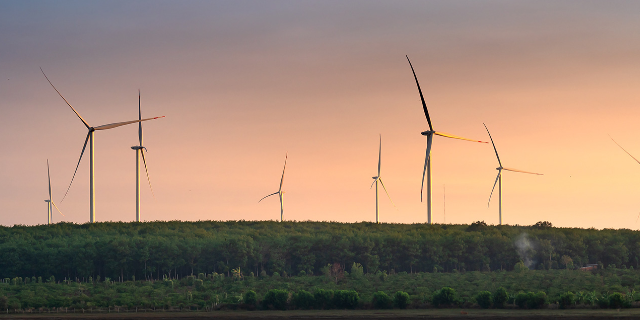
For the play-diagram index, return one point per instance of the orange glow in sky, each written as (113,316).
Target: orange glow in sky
(242,83)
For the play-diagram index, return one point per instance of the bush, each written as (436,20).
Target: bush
(381,300)
(323,298)
(3,302)
(303,300)
(617,301)
(521,300)
(345,299)
(444,297)
(500,297)
(484,300)
(566,300)
(531,300)
(276,299)
(401,300)
(250,298)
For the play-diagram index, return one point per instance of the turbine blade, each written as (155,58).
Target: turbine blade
(74,173)
(424,104)
(119,124)
(494,145)
(634,158)
(65,100)
(494,186)
(426,161)
(379,155)
(374,181)
(147,171)
(268,196)
(285,167)
(516,170)
(447,135)
(385,190)
(49,178)
(139,118)
(54,204)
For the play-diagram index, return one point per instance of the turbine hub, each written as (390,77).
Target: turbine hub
(137,147)
(46,201)
(499,168)
(374,178)
(427,133)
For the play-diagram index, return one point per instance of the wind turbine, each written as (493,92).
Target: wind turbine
(140,152)
(280,193)
(378,178)
(499,177)
(427,160)
(50,202)
(90,138)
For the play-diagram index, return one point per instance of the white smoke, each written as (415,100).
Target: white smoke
(525,248)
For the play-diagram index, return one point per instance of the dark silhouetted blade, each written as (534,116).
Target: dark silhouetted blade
(65,100)
(268,196)
(285,167)
(74,173)
(424,104)
(494,186)
(494,146)
(426,161)
(147,171)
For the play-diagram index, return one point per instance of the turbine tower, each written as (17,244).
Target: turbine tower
(427,160)
(90,138)
(280,193)
(50,202)
(499,177)
(378,178)
(140,149)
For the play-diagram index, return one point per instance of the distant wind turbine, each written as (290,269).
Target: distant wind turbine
(280,193)
(378,178)
(429,134)
(499,177)
(50,201)
(140,149)
(92,213)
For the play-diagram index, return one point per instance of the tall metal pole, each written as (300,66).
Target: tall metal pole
(281,205)
(377,201)
(138,185)
(92,191)
(500,197)
(429,190)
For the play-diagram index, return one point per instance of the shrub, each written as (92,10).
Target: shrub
(345,299)
(250,298)
(444,297)
(276,299)
(381,300)
(484,299)
(323,298)
(531,300)
(401,300)
(3,302)
(521,300)
(500,297)
(566,300)
(617,301)
(303,300)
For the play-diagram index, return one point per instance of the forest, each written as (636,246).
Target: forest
(174,249)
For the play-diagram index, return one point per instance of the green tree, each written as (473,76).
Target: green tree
(500,297)
(484,299)
(382,301)
(401,299)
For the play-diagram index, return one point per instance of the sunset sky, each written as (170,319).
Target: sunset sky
(242,83)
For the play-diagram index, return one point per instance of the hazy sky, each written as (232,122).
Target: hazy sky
(241,83)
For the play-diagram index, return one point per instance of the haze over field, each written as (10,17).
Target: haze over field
(242,83)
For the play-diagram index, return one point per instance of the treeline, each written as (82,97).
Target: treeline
(157,250)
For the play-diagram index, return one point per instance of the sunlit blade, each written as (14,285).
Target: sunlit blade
(426,161)
(285,167)
(54,204)
(494,145)
(65,100)
(374,182)
(494,186)
(147,171)
(49,178)
(379,155)
(424,104)
(385,190)
(74,173)
(118,124)
(139,118)
(268,196)
(446,135)
(634,158)
(516,170)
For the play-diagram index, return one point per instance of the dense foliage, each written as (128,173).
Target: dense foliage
(157,250)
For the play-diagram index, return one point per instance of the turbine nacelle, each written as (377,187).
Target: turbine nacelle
(374,178)
(427,133)
(138,148)
(47,201)
(499,168)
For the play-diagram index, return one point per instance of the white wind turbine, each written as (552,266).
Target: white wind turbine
(50,202)
(427,160)
(140,149)
(378,178)
(90,138)
(499,177)
(280,193)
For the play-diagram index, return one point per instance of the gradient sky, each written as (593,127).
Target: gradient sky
(241,83)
